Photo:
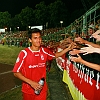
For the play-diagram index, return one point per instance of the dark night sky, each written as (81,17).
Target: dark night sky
(15,6)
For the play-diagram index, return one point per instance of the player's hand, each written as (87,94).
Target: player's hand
(36,85)
(71,46)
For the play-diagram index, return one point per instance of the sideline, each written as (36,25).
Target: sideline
(5,72)
(17,86)
(58,90)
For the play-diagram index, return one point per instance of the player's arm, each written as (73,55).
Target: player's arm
(17,70)
(71,46)
(33,84)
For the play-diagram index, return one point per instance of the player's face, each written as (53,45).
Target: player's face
(36,39)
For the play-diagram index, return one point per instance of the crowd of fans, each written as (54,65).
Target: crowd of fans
(20,38)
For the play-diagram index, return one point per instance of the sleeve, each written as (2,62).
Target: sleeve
(19,62)
(50,54)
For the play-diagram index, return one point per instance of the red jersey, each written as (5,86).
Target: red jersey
(32,64)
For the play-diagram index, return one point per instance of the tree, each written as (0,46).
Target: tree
(41,14)
(58,12)
(16,22)
(87,4)
(5,19)
(26,17)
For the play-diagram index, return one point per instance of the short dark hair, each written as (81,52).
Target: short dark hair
(34,30)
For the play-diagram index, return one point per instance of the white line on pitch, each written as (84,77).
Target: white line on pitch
(5,72)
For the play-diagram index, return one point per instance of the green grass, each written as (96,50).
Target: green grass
(14,94)
(8,55)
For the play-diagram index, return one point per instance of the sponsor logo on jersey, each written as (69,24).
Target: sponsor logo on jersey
(39,65)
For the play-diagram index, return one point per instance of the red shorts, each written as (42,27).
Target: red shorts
(41,96)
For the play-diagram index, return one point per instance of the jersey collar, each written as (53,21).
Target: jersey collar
(32,50)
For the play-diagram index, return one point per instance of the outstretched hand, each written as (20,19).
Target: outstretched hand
(65,43)
(72,46)
(96,35)
(87,50)
(74,52)
(76,59)
(79,40)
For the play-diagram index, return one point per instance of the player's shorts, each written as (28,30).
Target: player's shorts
(41,96)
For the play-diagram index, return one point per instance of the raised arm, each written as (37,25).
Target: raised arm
(82,41)
(90,49)
(70,47)
(88,64)
(96,35)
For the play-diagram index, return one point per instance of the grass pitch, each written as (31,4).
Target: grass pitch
(8,55)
